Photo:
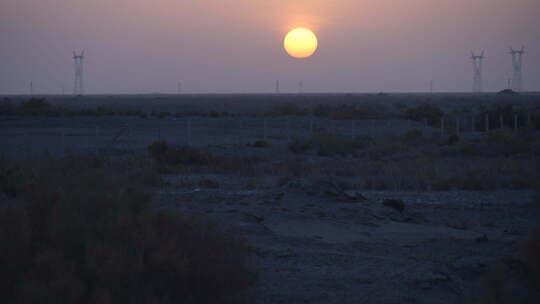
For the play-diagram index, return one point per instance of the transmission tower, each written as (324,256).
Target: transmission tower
(179,88)
(517,62)
(477,71)
(301,87)
(277,86)
(78,88)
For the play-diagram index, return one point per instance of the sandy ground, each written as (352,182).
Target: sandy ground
(318,249)
(116,134)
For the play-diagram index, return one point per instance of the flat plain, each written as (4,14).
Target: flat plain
(344,198)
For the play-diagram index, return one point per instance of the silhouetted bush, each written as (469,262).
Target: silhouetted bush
(32,107)
(288,109)
(453,139)
(330,144)
(244,165)
(261,144)
(299,145)
(412,136)
(158,150)
(184,155)
(532,244)
(188,156)
(425,112)
(82,231)
(209,183)
(510,143)
(350,112)
(6,107)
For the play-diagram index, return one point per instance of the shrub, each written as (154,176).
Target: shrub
(412,136)
(425,112)
(83,232)
(246,165)
(298,145)
(509,142)
(187,156)
(350,112)
(262,144)
(532,252)
(329,144)
(184,155)
(36,106)
(288,109)
(160,115)
(453,139)
(158,150)
(6,107)
(208,183)
(532,245)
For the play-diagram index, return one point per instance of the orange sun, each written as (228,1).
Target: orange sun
(300,43)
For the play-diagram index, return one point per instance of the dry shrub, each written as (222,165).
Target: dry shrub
(425,112)
(288,109)
(242,165)
(386,148)
(435,174)
(188,156)
(209,183)
(298,145)
(532,252)
(351,112)
(532,245)
(330,144)
(509,143)
(453,139)
(158,150)
(82,231)
(262,144)
(33,107)
(412,136)
(185,155)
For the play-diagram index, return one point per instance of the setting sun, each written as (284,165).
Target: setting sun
(300,43)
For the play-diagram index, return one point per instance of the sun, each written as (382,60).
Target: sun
(300,43)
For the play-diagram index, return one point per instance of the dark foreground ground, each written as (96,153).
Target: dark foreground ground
(311,198)
(444,248)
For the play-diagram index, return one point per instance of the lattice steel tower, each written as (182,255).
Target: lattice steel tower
(477,71)
(78,87)
(517,62)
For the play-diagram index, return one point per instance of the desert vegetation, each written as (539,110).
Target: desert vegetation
(411,162)
(81,229)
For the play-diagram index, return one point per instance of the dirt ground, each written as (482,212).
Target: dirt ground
(312,246)
(317,249)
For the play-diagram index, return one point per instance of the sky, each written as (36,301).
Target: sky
(235,46)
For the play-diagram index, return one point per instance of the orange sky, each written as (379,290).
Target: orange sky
(235,45)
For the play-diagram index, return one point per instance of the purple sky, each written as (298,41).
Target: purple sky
(213,46)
